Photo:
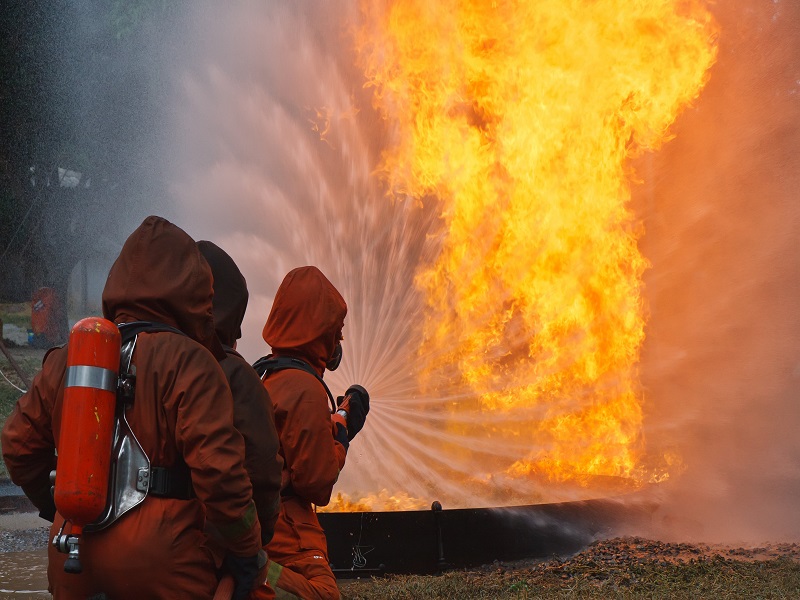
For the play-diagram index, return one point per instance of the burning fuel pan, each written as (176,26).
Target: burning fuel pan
(428,541)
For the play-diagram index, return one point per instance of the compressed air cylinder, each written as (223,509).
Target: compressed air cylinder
(87,421)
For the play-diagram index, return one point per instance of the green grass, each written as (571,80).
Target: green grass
(18,314)
(8,398)
(28,359)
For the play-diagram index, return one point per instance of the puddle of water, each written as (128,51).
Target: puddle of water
(24,575)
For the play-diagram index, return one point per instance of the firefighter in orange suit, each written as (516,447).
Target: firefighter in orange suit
(253,414)
(305,324)
(172,544)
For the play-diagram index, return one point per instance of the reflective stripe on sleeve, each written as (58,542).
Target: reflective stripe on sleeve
(236,529)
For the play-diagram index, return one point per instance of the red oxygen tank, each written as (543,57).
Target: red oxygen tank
(87,422)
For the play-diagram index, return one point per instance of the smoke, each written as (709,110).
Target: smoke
(721,362)
(270,148)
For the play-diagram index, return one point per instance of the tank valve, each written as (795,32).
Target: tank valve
(69,543)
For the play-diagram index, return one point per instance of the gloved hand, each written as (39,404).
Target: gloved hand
(355,403)
(248,572)
(339,427)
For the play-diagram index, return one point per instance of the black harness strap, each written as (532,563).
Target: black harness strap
(127,371)
(171,482)
(165,482)
(267,365)
(134,328)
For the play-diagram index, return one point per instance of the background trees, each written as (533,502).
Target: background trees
(81,97)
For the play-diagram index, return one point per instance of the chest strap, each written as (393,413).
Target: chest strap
(266,365)
(166,482)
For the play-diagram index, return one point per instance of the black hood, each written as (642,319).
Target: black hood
(230,293)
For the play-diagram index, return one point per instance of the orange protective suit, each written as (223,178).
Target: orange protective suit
(305,322)
(182,411)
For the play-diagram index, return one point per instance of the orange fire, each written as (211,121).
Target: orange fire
(380,502)
(520,120)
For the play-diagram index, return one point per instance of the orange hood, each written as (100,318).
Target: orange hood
(161,276)
(306,316)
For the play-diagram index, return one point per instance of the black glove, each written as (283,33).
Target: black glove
(355,403)
(245,572)
(41,496)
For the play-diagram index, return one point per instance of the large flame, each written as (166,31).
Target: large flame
(520,119)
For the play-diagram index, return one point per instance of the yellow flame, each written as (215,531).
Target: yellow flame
(383,501)
(520,118)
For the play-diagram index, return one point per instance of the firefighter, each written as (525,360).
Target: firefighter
(253,414)
(168,545)
(304,330)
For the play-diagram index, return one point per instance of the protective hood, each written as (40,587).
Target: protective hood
(306,316)
(230,293)
(161,276)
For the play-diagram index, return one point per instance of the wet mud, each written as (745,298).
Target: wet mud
(23,557)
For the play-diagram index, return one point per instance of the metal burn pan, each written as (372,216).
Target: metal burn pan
(430,541)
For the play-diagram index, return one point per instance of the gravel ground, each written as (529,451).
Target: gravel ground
(21,529)
(23,532)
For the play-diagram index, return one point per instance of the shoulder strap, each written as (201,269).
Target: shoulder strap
(127,371)
(130,330)
(266,365)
